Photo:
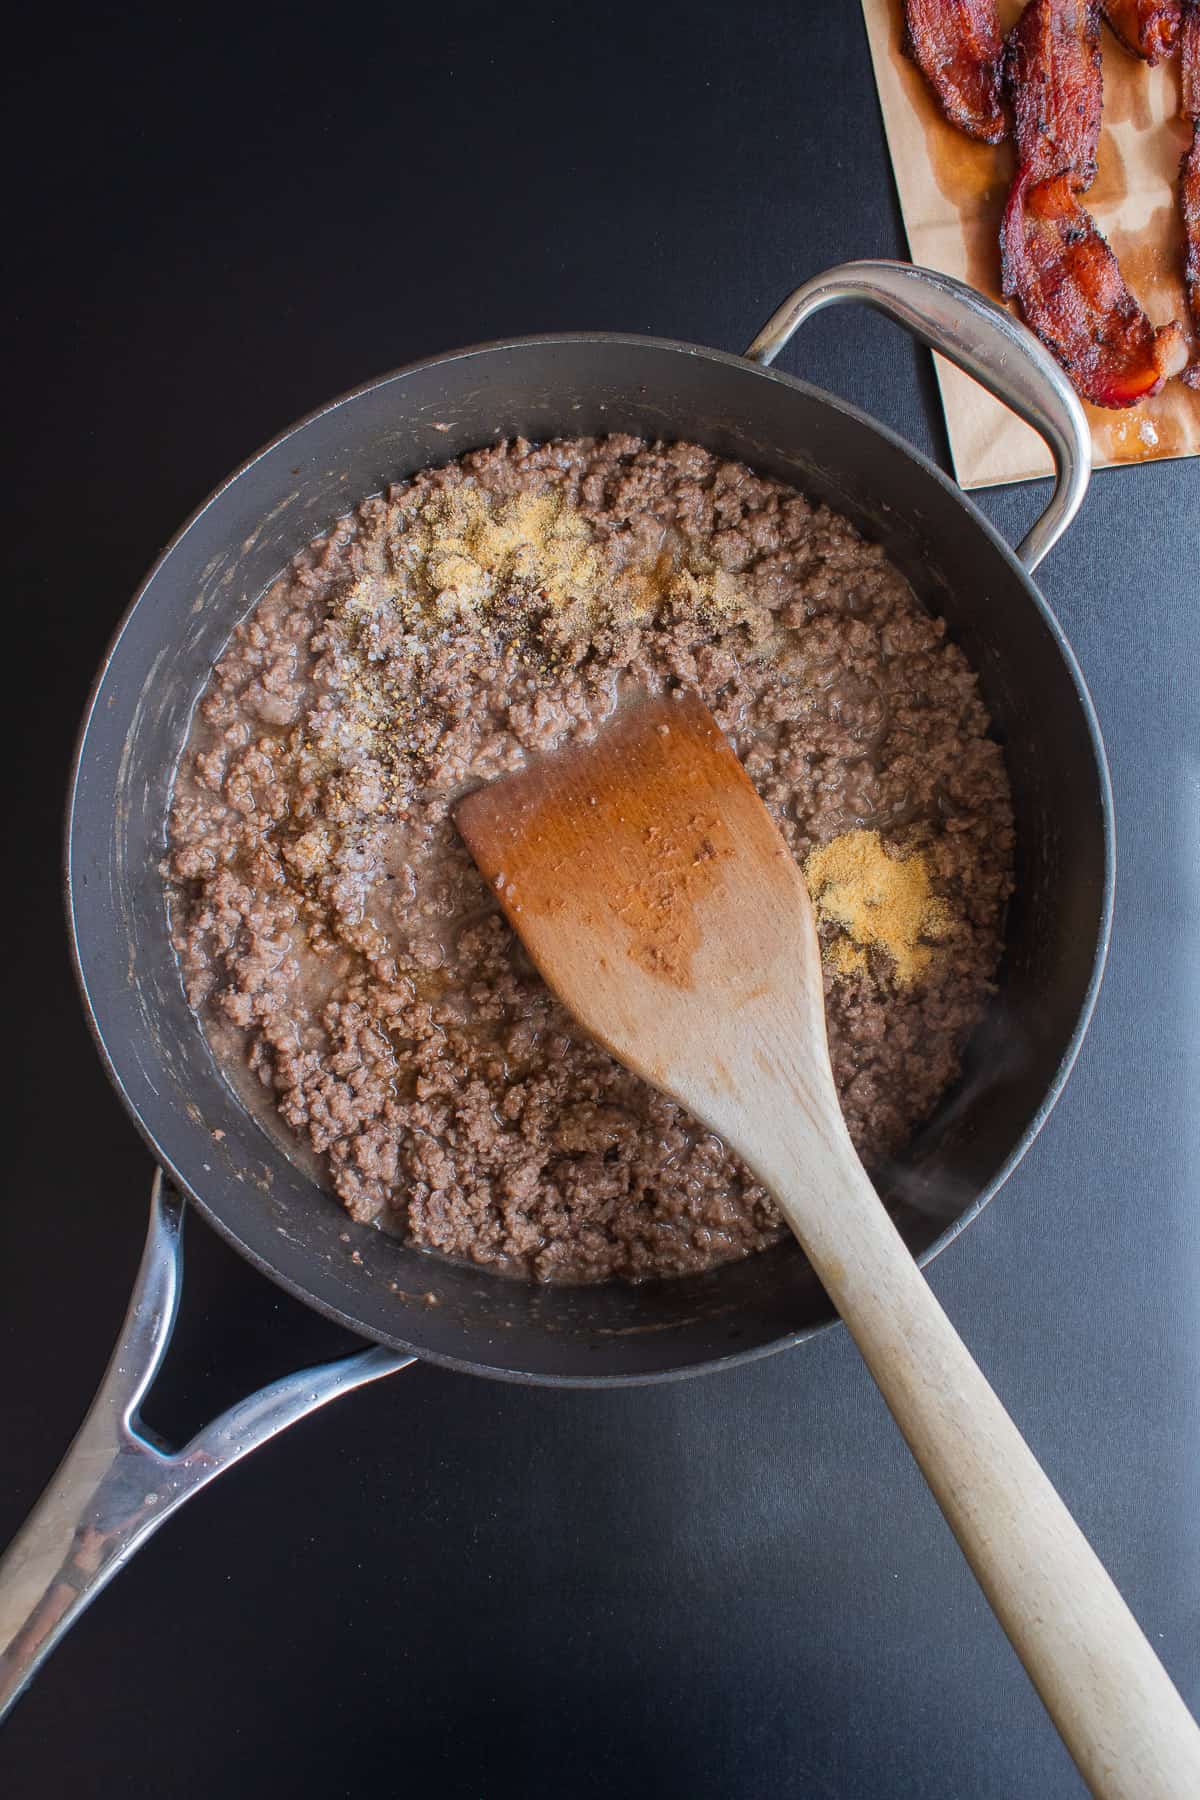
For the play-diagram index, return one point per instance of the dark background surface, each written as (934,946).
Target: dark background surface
(719,1588)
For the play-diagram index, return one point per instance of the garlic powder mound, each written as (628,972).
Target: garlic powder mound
(876,899)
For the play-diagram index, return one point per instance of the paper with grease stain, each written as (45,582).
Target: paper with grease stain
(952,193)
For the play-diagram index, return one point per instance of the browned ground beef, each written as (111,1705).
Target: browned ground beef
(335,936)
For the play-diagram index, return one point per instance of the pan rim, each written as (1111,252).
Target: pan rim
(752,1352)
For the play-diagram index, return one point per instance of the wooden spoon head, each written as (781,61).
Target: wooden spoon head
(658,899)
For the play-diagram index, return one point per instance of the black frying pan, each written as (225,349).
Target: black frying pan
(116,1486)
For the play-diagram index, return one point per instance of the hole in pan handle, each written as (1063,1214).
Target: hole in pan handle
(984,341)
(116,1485)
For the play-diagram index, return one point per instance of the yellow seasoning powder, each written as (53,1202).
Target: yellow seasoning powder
(484,557)
(876,899)
(475,544)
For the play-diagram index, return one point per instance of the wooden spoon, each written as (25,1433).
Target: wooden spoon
(658,899)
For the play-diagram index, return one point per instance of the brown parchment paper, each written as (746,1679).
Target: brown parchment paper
(952,193)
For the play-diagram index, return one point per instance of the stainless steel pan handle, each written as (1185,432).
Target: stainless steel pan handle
(982,339)
(116,1485)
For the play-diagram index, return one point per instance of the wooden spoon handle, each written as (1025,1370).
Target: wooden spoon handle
(1113,1703)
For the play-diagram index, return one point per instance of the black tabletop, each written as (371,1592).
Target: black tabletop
(726,1587)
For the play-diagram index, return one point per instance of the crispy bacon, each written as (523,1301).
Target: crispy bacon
(957,47)
(1189,44)
(1147,28)
(1071,292)
(1054,261)
(1189,173)
(1052,64)
(1189,206)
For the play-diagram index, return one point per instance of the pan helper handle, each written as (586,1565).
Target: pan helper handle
(116,1485)
(984,341)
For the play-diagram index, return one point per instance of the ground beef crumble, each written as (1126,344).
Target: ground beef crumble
(335,937)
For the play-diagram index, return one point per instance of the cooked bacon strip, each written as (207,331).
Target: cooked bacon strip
(1189,44)
(1189,172)
(1147,28)
(1054,261)
(956,45)
(1071,292)
(1052,63)
(1189,205)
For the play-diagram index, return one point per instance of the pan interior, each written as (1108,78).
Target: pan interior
(213,574)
